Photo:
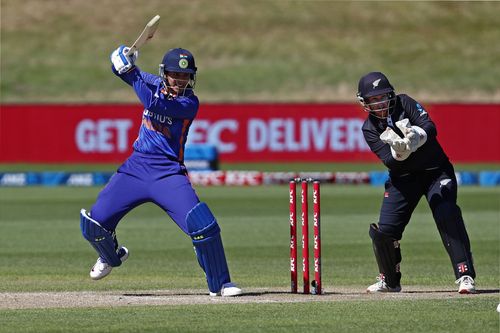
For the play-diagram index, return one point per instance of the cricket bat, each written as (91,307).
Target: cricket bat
(146,35)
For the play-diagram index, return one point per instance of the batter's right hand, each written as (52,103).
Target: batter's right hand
(121,62)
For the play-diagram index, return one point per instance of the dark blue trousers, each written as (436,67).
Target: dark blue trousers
(145,178)
(439,186)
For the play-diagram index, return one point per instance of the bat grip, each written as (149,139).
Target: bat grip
(130,50)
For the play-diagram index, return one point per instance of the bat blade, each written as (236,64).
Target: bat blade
(146,34)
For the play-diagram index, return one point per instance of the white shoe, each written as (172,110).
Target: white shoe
(228,290)
(381,287)
(466,285)
(102,269)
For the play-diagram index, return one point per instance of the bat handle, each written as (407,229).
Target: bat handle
(130,51)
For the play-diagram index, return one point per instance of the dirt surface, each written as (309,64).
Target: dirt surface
(35,300)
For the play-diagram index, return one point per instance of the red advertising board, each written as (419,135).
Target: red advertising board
(241,132)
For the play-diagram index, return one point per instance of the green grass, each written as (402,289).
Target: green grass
(468,315)
(41,249)
(263,50)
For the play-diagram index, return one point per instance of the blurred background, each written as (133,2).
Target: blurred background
(254,51)
(251,56)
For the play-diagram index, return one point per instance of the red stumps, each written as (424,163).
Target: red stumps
(305,235)
(293,237)
(317,237)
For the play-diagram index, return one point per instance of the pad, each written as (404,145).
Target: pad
(451,226)
(388,255)
(103,241)
(205,233)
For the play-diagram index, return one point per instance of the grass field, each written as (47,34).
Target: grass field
(262,50)
(42,252)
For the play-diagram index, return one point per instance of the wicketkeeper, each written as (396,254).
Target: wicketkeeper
(155,171)
(400,132)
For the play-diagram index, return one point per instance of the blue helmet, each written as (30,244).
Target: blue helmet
(178,60)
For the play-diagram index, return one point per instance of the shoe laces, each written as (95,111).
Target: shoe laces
(465,280)
(100,264)
(381,280)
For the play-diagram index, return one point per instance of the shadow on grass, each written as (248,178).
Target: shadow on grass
(287,293)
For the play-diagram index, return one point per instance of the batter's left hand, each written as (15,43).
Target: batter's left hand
(121,62)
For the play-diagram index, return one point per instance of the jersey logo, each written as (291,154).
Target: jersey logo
(421,109)
(444,182)
(375,83)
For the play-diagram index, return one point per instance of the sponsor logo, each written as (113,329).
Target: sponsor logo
(444,182)
(462,267)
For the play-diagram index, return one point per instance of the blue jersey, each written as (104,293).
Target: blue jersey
(165,120)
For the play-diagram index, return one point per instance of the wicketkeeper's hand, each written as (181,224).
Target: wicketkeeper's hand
(121,62)
(399,147)
(414,135)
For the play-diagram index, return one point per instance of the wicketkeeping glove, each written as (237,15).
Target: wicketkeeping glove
(399,147)
(414,135)
(121,62)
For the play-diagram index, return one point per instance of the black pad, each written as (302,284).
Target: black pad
(451,226)
(388,255)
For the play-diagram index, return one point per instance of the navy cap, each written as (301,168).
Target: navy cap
(373,84)
(179,60)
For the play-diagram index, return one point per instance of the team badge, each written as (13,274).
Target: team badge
(183,63)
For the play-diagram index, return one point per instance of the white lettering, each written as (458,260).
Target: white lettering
(257,135)
(102,136)
(291,143)
(215,135)
(322,135)
(80,179)
(276,129)
(14,179)
(202,131)
(337,134)
(85,136)
(122,127)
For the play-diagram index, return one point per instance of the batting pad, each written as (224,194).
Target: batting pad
(205,233)
(100,239)
(388,254)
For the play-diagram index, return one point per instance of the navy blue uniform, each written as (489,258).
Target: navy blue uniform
(426,172)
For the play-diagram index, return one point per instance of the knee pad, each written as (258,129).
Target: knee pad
(103,241)
(388,254)
(205,234)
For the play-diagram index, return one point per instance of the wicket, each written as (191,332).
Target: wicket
(316,284)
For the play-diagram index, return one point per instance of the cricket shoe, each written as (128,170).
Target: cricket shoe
(466,285)
(381,287)
(102,269)
(228,290)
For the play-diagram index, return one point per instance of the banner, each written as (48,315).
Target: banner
(284,132)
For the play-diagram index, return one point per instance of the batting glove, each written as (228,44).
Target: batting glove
(121,62)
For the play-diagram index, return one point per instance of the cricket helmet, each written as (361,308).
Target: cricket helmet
(178,60)
(181,61)
(376,84)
